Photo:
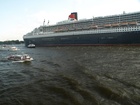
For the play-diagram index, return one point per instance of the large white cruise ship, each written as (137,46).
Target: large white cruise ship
(122,29)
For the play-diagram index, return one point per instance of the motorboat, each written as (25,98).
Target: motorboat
(31,46)
(13,48)
(4,48)
(8,48)
(20,58)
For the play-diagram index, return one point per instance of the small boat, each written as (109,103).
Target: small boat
(8,48)
(13,48)
(31,46)
(20,58)
(4,48)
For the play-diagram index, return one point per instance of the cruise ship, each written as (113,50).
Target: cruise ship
(121,29)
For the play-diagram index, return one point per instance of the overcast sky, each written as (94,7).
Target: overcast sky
(18,17)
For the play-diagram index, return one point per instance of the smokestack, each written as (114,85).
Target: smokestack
(75,14)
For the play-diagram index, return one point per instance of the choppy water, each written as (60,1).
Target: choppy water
(72,76)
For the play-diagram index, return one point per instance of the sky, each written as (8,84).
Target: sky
(18,17)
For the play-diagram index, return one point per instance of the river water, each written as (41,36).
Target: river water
(97,75)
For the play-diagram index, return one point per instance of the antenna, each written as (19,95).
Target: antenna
(48,22)
(44,22)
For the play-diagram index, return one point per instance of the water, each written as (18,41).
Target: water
(97,75)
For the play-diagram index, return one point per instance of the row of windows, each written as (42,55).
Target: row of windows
(107,30)
(117,30)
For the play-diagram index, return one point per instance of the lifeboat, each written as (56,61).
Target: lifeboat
(79,28)
(59,30)
(115,25)
(107,25)
(124,24)
(94,26)
(132,23)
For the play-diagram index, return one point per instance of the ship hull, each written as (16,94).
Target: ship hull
(118,38)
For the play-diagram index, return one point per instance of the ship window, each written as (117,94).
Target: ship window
(64,38)
(110,37)
(48,39)
(102,37)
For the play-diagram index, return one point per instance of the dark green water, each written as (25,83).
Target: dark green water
(97,75)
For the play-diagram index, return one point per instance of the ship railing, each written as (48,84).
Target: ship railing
(118,29)
(99,30)
(106,31)
(93,31)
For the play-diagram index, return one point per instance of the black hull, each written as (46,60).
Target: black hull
(119,38)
